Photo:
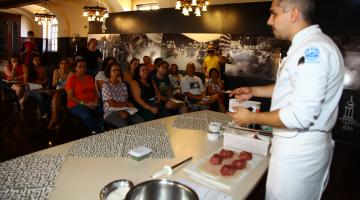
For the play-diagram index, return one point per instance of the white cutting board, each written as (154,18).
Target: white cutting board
(203,171)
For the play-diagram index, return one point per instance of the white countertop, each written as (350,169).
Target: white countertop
(83,178)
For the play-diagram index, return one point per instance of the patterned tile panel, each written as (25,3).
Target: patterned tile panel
(200,120)
(29,177)
(117,143)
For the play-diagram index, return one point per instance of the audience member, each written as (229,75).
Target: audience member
(18,72)
(100,77)
(148,62)
(211,61)
(29,48)
(37,72)
(92,57)
(162,81)
(157,61)
(214,84)
(37,75)
(195,93)
(146,95)
(175,79)
(117,109)
(129,73)
(82,97)
(58,99)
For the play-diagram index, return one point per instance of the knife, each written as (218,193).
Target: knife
(168,170)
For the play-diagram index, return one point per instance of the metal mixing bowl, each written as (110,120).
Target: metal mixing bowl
(161,190)
(112,186)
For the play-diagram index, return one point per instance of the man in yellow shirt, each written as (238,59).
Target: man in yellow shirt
(211,61)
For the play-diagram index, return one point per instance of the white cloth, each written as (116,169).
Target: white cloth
(307,92)
(100,76)
(192,84)
(299,166)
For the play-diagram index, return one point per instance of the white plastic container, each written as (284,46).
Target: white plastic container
(139,153)
(241,140)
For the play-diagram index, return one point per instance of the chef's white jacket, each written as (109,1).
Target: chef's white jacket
(307,91)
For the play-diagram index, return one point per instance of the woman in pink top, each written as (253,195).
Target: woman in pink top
(82,97)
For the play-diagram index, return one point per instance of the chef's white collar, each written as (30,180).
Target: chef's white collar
(299,36)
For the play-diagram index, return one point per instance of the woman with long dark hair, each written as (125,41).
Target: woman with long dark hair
(146,95)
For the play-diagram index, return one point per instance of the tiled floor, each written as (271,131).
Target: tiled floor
(22,134)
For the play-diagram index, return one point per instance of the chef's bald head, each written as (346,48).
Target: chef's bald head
(306,7)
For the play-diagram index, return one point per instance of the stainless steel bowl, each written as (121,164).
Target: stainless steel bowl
(112,186)
(160,190)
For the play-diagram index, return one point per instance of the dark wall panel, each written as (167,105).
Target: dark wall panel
(232,18)
(336,17)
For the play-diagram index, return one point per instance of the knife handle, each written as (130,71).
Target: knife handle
(166,171)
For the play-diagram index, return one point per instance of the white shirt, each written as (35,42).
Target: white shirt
(192,84)
(309,84)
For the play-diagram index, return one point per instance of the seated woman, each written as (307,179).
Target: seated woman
(100,77)
(146,95)
(214,84)
(15,71)
(82,97)
(128,75)
(195,92)
(117,109)
(58,99)
(37,75)
(175,79)
(162,81)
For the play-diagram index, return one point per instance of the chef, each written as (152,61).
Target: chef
(304,104)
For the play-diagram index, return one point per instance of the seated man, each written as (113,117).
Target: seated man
(193,89)
(162,81)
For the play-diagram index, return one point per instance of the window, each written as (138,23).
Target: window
(148,6)
(50,36)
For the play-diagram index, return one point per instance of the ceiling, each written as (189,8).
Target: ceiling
(161,3)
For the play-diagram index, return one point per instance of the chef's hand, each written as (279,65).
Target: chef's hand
(242,93)
(241,115)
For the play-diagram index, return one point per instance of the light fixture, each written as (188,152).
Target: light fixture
(188,6)
(43,18)
(95,13)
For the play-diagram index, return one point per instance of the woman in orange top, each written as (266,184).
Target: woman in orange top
(82,97)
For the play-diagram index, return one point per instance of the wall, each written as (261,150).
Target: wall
(168,20)
(337,19)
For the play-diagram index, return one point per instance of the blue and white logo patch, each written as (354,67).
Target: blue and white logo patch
(312,55)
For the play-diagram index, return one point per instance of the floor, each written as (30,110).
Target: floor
(25,132)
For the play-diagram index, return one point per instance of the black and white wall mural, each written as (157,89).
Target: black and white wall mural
(251,57)
(246,56)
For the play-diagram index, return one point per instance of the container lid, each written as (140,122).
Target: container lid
(139,151)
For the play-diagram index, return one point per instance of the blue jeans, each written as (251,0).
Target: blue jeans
(92,118)
(42,99)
